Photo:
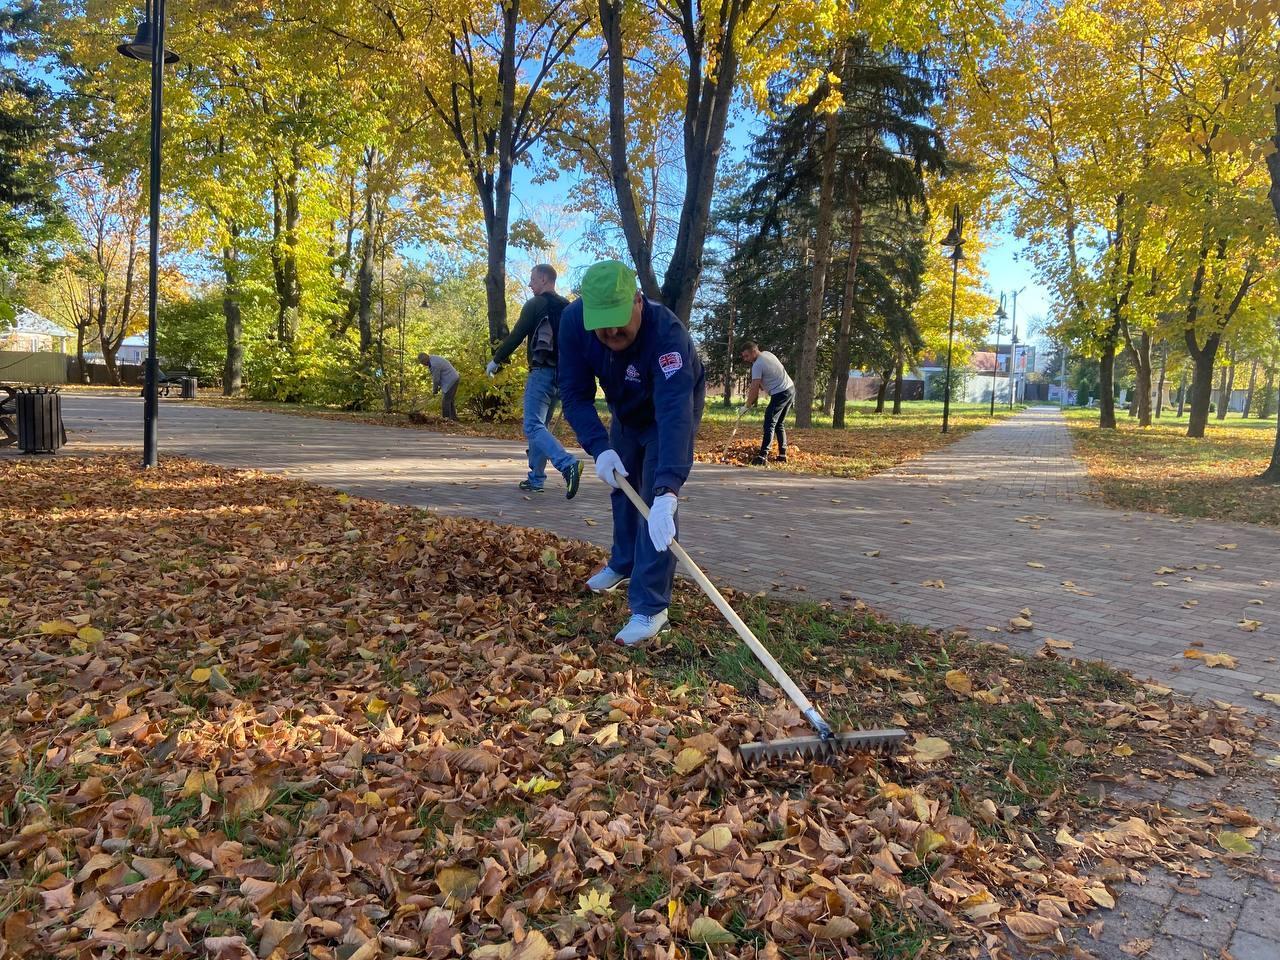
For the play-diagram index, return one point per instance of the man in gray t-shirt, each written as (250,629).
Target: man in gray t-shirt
(443,378)
(768,374)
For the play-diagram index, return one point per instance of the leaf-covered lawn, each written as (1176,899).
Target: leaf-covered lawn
(1159,468)
(870,444)
(243,716)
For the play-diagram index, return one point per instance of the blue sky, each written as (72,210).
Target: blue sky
(1006,267)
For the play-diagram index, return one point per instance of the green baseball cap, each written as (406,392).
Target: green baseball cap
(608,290)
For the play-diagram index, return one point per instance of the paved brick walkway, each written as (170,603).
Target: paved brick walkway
(1133,589)
(1000,518)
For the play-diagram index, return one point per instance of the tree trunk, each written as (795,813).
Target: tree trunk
(829,394)
(1228,385)
(807,373)
(284,252)
(1219,405)
(728,357)
(1164,359)
(364,275)
(897,387)
(1253,382)
(883,390)
(80,360)
(495,278)
(1203,362)
(233,368)
(1142,369)
(710,79)
(1106,384)
(1182,392)
(1272,473)
(846,313)
(104,339)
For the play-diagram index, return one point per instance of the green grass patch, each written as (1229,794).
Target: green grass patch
(1162,470)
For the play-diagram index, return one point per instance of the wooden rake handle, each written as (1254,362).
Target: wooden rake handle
(775,669)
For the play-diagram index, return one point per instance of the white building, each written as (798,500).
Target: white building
(33,333)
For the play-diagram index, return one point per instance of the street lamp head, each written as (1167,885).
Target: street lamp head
(1000,314)
(954,237)
(957,251)
(143,44)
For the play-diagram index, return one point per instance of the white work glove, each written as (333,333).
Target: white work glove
(607,464)
(662,521)
(492,369)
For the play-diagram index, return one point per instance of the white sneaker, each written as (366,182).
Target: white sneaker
(640,628)
(607,580)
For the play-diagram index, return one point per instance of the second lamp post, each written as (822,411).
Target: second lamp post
(955,240)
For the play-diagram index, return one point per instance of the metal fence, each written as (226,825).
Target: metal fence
(17,366)
(130,373)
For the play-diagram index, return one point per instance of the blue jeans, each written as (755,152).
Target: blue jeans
(541,393)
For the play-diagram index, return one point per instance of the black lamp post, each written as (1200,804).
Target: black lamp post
(148,45)
(995,363)
(1013,348)
(955,241)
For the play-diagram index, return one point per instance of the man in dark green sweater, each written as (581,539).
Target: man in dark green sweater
(539,327)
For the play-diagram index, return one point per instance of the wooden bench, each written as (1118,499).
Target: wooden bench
(8,416)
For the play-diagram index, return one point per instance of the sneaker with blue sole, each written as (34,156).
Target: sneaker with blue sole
(641,627)
(606,580)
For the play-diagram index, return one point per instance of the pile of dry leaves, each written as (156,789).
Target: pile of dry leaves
(241,716)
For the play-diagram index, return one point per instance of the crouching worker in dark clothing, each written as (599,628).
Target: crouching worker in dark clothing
(641,355)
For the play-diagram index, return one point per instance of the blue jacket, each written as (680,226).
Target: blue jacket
(658,379)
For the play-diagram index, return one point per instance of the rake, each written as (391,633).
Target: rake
(827,742)
(724,454)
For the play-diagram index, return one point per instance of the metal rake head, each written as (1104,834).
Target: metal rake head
(817,747)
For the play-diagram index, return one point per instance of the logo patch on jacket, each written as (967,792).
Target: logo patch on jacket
(632,373)
(670,364)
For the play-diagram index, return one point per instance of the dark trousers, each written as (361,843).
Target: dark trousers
(774,414)
(447,407)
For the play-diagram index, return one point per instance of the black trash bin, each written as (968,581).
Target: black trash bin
(39,416)
(189,385)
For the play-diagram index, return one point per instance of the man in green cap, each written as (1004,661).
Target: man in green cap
(640,353)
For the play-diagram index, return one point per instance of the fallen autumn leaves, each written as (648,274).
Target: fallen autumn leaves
(245,716)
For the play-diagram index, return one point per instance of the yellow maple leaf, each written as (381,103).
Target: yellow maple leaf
(594,902)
